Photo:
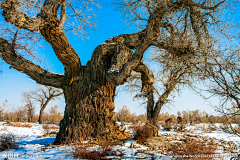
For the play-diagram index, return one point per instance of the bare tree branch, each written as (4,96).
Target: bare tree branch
(38,74)
(19,19)
(48,24)
(191,3)
(147,79)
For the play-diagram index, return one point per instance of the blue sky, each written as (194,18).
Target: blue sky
(110,24)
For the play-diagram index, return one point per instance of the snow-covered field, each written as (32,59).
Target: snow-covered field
(33,145)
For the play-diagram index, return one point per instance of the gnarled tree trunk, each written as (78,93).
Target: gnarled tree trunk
(90,99)
(91,117)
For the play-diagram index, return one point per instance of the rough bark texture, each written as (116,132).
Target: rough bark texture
(90,98)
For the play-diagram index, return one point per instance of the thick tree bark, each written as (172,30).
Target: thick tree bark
(90,98)
(90,118)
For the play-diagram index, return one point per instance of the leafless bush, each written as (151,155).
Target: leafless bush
(195,116)
(191,148)
(53,116)
(125,115)
(2,110)
(8,141)
(84,152)
(142,132)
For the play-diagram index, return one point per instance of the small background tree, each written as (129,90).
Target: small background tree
(2,109)
(29,107)
(43,95)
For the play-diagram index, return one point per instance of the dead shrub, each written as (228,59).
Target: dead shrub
(17,124)
(47,128)
(84,152)
(8,141)
(167,127)
(142,132)
(192,148)
(27,125)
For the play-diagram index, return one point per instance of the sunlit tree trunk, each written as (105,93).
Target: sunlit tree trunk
(89,114)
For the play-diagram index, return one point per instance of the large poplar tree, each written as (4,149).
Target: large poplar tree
(179,27)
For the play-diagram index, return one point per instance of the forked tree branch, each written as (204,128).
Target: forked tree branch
(51,29)
(121,76)
(20,19)
(55,36)
(141,45)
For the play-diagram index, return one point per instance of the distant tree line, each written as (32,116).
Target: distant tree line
(125,115)
(194,117)
(24,114)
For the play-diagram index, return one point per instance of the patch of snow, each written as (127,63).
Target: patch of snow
(112,69)
(32,146)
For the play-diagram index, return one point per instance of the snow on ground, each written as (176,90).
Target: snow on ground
(34,145)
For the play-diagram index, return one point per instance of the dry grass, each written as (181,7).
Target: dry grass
(84,152)
(8,141)
(18,124)
(191,149)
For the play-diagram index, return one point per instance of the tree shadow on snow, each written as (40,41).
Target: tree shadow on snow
(40,141)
